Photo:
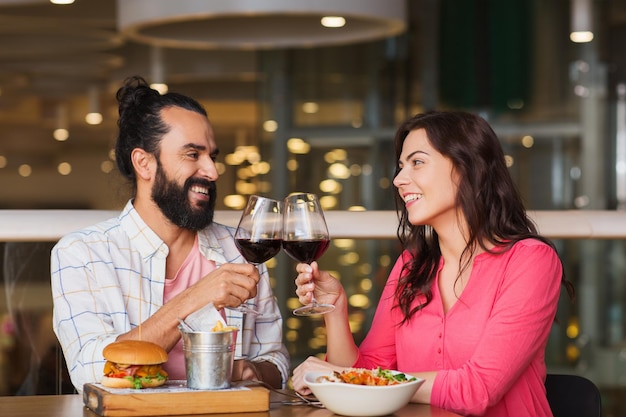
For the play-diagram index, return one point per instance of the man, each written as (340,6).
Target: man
(134,276)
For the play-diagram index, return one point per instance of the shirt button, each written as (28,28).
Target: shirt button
(439,350)
(440,335)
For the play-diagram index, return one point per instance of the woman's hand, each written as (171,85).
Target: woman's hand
(311,280)
(309,365)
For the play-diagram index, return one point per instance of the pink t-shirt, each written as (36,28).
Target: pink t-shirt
(488,349)
(195,267)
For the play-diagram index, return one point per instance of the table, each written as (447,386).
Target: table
(72,406)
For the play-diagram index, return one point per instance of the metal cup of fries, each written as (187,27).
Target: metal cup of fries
(209,356)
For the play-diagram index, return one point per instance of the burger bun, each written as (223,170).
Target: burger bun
(135,352)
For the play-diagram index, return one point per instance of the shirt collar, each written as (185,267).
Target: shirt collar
(147,242)
(210,246)
(150,244)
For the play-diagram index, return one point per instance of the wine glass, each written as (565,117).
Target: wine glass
(259,232)
(305,238)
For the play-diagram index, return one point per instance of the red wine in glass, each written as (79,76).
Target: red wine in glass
(259,233)
(258,251)
(306,251)
(305,238)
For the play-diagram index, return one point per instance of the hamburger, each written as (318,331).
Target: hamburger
(134,364)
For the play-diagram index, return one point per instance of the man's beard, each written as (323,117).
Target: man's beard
(173,200)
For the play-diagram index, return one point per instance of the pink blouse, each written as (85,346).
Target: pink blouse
(488,349)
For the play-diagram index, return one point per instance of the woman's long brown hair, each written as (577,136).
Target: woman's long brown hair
(486,195)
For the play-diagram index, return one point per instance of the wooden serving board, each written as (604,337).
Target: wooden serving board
(173,399)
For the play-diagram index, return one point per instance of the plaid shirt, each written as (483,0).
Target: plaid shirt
(109,278)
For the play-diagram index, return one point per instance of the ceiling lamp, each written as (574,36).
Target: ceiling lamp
(61,132)
(581,21)
(93,116)
(253,24)
(333,21)
(157,70)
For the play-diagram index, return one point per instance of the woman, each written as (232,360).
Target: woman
(469,304)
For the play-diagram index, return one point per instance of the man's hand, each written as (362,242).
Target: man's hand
(244,370)
(266,371)
(229,285)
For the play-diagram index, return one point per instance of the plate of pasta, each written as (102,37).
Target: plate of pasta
(363,392)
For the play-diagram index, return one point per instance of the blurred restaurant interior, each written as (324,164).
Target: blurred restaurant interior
(297,106)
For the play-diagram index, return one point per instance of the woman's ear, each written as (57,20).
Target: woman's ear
(144,164)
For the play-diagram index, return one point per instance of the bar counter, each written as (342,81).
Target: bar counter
(72,406)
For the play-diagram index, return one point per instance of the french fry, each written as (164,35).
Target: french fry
(219,327)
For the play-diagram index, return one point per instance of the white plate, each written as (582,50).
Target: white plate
(361,400)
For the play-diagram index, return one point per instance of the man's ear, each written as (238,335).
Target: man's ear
(144,163)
